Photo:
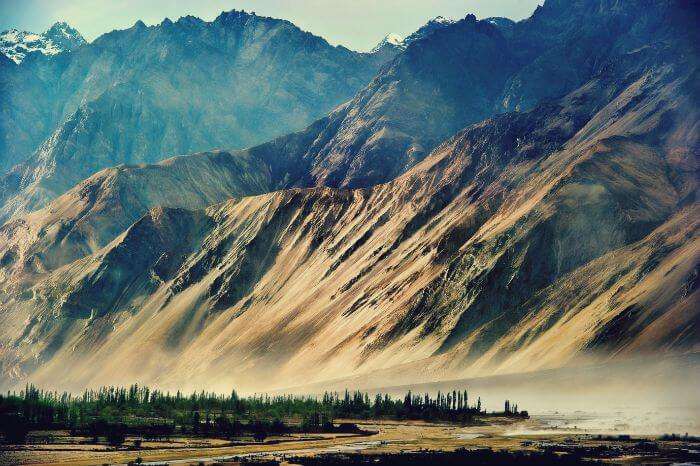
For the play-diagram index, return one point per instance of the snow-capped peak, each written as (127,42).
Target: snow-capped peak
(428,28)
(500,22)
(60,37)
(395,41)
(392,40)
(441,20)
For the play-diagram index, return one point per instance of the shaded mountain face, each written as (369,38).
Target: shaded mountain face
(529,240)
(24,100)
(457,73)
(146,93)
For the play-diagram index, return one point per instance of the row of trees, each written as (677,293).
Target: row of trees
(115,412)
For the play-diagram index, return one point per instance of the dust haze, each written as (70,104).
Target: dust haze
(643,396)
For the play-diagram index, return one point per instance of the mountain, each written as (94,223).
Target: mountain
(393,43)
(394,40)
(458,74)
(25,97)
(528,240)
(145,93)
(391,40)
(58,38)
(428,28)
(93,213)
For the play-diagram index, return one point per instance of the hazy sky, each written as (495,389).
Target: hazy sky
(358,24)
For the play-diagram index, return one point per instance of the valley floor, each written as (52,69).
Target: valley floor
(541,433)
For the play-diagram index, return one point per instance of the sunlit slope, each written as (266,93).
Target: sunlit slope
(99,209)
(528,241)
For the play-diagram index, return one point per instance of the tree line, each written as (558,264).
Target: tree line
(113,413)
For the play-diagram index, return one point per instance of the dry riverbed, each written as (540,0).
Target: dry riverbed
(535,434)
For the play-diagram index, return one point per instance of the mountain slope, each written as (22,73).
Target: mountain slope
(457,73)
(25,92)
(393,41)
(99,209)
(527,241)
(144,93)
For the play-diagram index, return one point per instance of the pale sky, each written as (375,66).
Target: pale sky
(357,24)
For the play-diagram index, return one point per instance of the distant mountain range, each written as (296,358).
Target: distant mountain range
(147,93)
(499,197)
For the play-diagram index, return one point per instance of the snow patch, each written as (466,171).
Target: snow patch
(391,40)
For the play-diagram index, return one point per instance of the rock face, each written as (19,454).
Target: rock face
(147,93)
(527,240)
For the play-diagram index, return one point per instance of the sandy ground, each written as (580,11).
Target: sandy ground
(392,436)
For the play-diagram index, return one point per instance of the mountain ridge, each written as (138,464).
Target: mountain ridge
(525,240)
(351,279)
(271,77)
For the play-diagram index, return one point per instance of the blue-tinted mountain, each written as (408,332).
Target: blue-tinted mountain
(150,92)
(463,72)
